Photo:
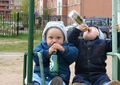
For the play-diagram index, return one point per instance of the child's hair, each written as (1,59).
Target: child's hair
(55,24)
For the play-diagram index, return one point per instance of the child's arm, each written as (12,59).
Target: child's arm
(44,52)
(68,51)
(56,47)
(118,27)
(108,45)
(73,36)
(71,53)
(109,42)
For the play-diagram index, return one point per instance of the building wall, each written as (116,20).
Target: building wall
(50,7)
(45,6)
(99,8)
(64,11)
(5,7)
(86,8)
(74,5)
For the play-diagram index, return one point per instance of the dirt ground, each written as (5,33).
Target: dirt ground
(11,68)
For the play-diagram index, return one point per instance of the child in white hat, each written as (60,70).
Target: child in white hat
(54,39)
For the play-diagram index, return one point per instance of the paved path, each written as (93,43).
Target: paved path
(11,54)
(11,68)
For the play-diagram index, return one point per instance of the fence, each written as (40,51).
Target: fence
(16,23)
(11,24)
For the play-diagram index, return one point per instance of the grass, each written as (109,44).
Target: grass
(17,43)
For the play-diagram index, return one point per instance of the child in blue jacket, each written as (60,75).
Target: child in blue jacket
(90,67)
(54,40)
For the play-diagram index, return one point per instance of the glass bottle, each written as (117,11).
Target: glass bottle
(54,67)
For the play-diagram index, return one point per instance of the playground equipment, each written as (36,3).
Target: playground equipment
(28,60)
(115,55)
(29,65)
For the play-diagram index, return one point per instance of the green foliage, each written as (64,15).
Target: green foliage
(24,19)
(24,7)
(46,14)
(17,43)
(0,18)
(24,12)
(14,15)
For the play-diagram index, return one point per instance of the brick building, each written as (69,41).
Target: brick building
(86,8)
(4,6)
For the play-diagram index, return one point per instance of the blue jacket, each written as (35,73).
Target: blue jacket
(92,54)
(65,59)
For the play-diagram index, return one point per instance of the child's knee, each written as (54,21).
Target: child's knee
(36,83)
(79,84)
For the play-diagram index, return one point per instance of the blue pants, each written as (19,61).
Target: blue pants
(92,79)
(38,79)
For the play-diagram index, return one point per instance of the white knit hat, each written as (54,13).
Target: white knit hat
(58,24)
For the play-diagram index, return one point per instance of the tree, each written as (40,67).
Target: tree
(24,9)
(24,6)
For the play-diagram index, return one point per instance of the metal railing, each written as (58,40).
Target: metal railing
(25,68)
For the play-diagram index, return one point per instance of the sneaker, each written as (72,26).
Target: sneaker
(114,82)
(57,81)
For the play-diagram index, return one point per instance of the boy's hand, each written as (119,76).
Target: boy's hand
(83,27)
(118,27)
(52,50)
(56,47)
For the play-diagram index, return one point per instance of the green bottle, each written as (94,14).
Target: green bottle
(54,67)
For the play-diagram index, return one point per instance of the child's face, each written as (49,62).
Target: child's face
(54,35)
(92,34)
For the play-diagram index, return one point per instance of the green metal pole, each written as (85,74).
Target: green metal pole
(41,68)
(119,53)
(30,42)
(24,68)
(18,16)
(119,68)
(114,40)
